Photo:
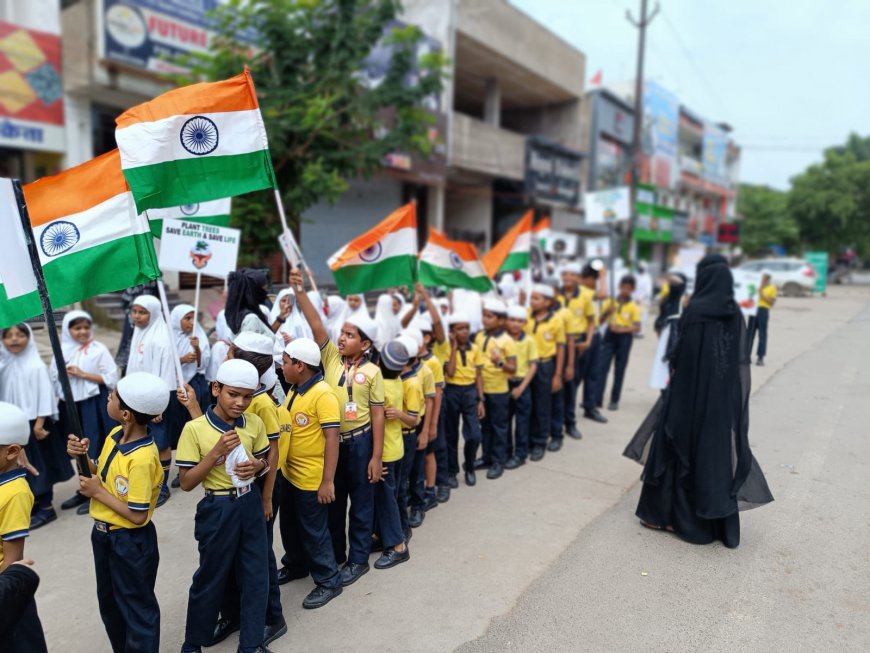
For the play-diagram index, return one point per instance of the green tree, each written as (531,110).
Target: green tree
(326,124)
(831,200)
(765,219)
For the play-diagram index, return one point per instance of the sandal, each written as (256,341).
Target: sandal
(654,527)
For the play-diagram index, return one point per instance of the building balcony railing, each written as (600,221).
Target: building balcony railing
(480,147)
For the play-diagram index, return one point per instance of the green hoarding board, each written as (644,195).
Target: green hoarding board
(819,261)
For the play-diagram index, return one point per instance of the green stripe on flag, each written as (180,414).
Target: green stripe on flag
(106,268)
(515,261)
(187,181)
(433,275)
(389,273)
(214,220)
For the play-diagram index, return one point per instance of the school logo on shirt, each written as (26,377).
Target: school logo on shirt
(301,419)
(359,378)
(121,485)
(548,335)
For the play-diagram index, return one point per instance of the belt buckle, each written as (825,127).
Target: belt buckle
(102,527)
(242,491)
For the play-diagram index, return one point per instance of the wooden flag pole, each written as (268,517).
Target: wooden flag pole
(71,411)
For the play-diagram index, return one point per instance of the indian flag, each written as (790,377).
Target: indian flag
(216,213)
(452,264)
(512,251)
(542,232)
(383,257)
(194,144)
(89,237)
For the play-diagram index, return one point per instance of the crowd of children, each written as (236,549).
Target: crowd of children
(346,426)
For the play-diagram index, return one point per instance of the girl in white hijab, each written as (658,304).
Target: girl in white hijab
(221,347)
(289,324)
(337,311)
(92,373)
(24,381)
(387,320)
(152,350)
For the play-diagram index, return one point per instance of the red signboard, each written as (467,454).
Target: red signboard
(729,233)
(30,75)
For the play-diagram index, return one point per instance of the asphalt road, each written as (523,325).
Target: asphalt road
(551,558)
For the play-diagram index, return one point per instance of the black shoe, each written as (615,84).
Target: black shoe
(83,509)
(599,405)
(442,494)
(595,416)
(285,575)
(495,471)
(514,463)
(273,632)
(408,535)
(75,501)
(351,573)
(613,406)
(163,497)
(223,629)
(391,558)
(470,478)
(320,596)
(480,463)
(452,482)
(415,519)
(176,482)
(537,453)
(377,545)
(430,502)
(41,518)
(574,433)
(555,445)
(190,650)
(759,362)
(259,649)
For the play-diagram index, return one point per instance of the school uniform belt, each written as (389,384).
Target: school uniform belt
(350,435)
(547,359)
(106,527)
(232,492)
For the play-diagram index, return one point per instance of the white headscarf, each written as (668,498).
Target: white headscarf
(222,329)
(336,315)
(295,326)
(24,381)
(182,342)
(92,357)
(507,285)
(152,349)
(388,322)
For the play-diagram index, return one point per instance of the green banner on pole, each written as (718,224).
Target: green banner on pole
(819,261)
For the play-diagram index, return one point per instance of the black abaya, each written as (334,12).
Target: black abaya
(698,468)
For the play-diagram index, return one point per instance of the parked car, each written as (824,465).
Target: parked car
(793,276)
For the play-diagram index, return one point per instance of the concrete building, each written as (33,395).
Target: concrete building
(511,108)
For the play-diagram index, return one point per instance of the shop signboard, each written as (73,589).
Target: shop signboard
(661,120)
(655,223)
(819,261)
(31,90)
(607,206)
(714,167)
(552,172)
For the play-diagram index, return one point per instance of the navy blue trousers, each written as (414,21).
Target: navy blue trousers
(615,348)
(461,401)
(591,373)
(495,427)
(126,563)
(439,448)
(387,508)
(305,535)
(519,413)
(231,537)
(403,476)
(758,324)
(352,531)
(542,404)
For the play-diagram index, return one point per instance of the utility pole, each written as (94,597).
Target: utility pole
(641,26)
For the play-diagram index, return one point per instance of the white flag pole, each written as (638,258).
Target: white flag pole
(196,303)
(165,303)
(291,241)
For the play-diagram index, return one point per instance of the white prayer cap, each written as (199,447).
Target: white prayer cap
(496,306)
(423,322)
(365,324)
(458,317)
(517,313)
(544,289)
(415,334)
(305,350)
(409,344)
(256,343)
(145,393)
(269,378)
(14,427)
(238,374)
(571,267)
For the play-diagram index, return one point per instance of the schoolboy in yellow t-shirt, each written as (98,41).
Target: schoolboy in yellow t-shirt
(622,317)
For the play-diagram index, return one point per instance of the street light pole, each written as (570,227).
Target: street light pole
(641,26)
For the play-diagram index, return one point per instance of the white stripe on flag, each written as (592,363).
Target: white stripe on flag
(402,242)
(16,269)
(193,211)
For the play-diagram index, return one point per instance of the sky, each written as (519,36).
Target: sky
(792,77)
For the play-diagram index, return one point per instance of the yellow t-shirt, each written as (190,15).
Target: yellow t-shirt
(308,410)
(427,381)
(468,359)
(130,472)
(626,314)
(495,379)
(527,354)
(264,407)
(367,386)
(16,503)
(548,334)
(767,293)
(586,308)
(413,399)
(436,366)
(394,446)
(200,435)
(441,350)
(579,309)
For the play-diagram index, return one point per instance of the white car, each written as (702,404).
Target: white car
(793,276)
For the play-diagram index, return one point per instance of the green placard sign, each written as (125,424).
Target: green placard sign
(655,223)
(819,261)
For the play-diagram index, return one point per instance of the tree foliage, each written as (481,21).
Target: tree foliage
(765,220)
(830,201)
(326,124)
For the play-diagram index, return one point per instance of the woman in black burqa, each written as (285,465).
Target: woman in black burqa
(698,468)
(246,294)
